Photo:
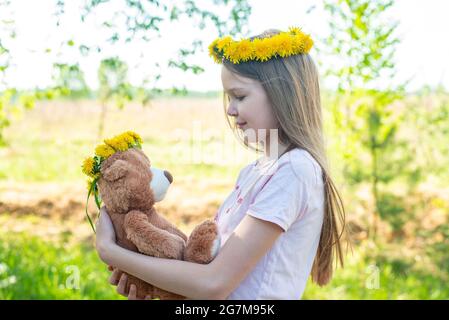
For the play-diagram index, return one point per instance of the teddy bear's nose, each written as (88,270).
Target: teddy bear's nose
(169,176)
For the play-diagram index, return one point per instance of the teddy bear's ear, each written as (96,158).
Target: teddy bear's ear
(116,170)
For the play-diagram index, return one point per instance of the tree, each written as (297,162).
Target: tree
(142,20)
(133,21)
(69,80)
(112,76)
(363,110)
(11,100)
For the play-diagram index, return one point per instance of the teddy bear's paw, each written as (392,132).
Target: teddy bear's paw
(204,243)
(215,246)
(180,246)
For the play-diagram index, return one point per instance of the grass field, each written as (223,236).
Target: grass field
(46,245)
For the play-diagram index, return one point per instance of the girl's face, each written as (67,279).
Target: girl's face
(248,105)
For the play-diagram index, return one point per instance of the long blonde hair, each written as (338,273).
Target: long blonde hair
(292,86)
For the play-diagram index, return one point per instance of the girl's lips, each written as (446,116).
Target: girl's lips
(241,124)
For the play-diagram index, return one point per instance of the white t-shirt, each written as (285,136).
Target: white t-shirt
(291,196)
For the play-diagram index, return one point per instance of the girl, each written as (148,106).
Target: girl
(280,224)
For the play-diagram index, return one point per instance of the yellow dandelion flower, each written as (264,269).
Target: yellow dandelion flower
(283,44)
(275,45)
(117,143)
(294,30)
(136,137)
(104,151)
(301,40)
(278,43)
(212,46)
(286,41)
(245,49)
(212,52)
(88,166)
(308,44)
(122,145)
(223,43)
(302,43)
(126,138)
(262,50)
(217,58)
(297,42)
(231,53)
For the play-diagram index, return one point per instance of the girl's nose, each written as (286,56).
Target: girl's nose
(232,111)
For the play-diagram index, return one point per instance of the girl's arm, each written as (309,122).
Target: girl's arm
(245,247)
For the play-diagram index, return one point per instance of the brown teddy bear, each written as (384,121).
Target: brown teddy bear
(129,188)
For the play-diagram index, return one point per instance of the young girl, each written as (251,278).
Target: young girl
(281,222)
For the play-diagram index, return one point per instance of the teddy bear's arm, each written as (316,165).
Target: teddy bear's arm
(150,239)
(164,224)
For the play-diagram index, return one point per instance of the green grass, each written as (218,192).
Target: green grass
(31,268)
(50,161)
(43,148)
(380,278)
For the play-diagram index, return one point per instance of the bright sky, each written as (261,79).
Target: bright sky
(423,54)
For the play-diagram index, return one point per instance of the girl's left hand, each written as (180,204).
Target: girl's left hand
(105,240)
(120,279)
(105,234)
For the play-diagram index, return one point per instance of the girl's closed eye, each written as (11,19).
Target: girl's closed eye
(238,98)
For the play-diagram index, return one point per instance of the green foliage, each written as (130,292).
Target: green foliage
(409,264)
(69,80)
(364,110)
(135,21)
(112,76)
(380,277)
(387,141)
(392,209)
(427,117)
(142,20)
(12,104)
(31,268)
(56,160)
(363,39)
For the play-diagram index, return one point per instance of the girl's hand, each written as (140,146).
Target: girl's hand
(121,284)
(105,234)
(105,240)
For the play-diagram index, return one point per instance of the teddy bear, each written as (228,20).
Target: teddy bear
(130,187)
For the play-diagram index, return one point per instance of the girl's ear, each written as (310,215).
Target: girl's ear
(116,170)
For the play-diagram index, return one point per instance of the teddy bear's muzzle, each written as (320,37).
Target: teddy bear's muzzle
(160,182)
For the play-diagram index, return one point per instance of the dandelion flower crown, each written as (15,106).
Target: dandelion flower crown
(283,44)
(92,165)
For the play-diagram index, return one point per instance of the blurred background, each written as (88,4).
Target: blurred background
(75,72)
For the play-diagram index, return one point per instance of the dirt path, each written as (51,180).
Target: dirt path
(49,209)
